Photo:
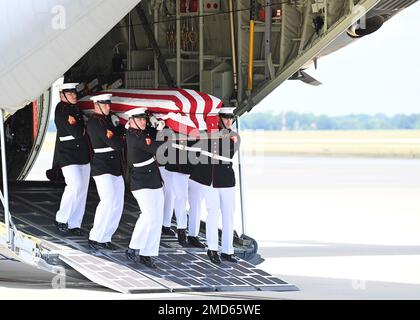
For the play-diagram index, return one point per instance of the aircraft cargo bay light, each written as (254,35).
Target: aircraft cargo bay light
(150,44)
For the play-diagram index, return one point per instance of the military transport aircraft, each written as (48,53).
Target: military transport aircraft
(237,50)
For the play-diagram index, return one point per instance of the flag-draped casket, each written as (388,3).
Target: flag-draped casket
(183,110)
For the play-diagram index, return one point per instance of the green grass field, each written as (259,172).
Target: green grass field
(398,144)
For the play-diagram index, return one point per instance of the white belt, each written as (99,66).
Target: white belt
(66,138)
(178,146)
(206,153)
(103,150)
(216,156)
(182,147)
(144,163)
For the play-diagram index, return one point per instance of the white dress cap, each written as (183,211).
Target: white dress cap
(106,97)
(226,110)
(136,112)
(67,86)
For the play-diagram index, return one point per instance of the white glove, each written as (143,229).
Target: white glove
(115,120)
(153,121)
(160,125)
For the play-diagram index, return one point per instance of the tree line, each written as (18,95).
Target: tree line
(310,121)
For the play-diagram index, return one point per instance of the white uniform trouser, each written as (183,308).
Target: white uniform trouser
(110,207)
(168,207)
(73,201)
(195,198)
(219,201)
(179,185)
(146,234)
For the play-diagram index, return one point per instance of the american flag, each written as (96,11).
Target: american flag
(183,110)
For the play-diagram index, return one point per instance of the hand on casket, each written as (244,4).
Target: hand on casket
(160,125)
(155,123)
(115,120)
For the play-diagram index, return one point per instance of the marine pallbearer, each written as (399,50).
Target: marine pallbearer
(146,186)
(107,141)
(73,159)
(177,173)
(217,182)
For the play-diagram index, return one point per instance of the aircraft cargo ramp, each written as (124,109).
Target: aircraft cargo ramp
(33,206)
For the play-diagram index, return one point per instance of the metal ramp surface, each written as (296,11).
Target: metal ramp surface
(183,271)
(110,274)
(179,269)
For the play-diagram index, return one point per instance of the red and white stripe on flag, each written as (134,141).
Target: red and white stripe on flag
(183,110)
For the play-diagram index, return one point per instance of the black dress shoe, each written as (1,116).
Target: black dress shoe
(109,246)
(93,245)
(182,237)
(147,261)
(229,257)
(167,231)
(195,242)
(75,231)
(131,255)
(62,227)
(214,256)
(96,245)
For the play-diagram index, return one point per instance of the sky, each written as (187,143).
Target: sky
(379,73)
